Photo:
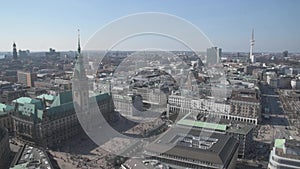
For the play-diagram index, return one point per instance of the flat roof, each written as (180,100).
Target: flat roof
(240,128)
(219,152)
(279,143)
(31,157)
(201,124)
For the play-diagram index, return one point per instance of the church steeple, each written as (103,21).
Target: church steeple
(79,72)
(15,54)
(80,85)
(79,48)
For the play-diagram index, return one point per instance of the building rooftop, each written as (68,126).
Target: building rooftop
(279,143)
(136,164)
(196,145)
(287,148)
(28,100)
(201,124)
(31,158)
(62,98)
(46,97)
(240,128)
(248,95)
(5,108)
(222,125)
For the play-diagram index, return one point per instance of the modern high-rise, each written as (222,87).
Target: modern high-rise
(26,78)
(213,55)
(285,53)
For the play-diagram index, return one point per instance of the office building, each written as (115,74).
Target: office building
(241,132)
(26,78)
(214,55)
(285,154)
(285,54)
(245,106)
(185,105)
(180,148)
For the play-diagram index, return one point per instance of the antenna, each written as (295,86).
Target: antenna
(253,35)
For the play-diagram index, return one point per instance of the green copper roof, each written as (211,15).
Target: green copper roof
(101,97)
(67,107)
(5,108)
(23,100)
(39,114)
(46,97)
(29,107)
(202,124)
(62,98)
(28,100)
(20,166)
(279,143)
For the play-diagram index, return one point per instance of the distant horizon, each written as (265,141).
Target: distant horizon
(37,25)
(242,52)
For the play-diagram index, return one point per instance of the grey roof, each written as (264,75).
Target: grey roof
(136,164)
(240,128)
(221,152)
(31,157)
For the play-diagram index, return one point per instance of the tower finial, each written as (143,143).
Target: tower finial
(79,49)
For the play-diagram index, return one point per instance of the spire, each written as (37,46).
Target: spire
(79,71)
(79,49)
(15,53)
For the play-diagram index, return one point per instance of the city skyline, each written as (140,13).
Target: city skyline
(38,26)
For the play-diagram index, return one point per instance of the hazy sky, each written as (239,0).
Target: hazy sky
(39,25)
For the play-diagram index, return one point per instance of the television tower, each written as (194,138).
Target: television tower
(252,57)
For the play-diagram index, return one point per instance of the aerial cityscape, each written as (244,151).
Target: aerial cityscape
(150,85)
